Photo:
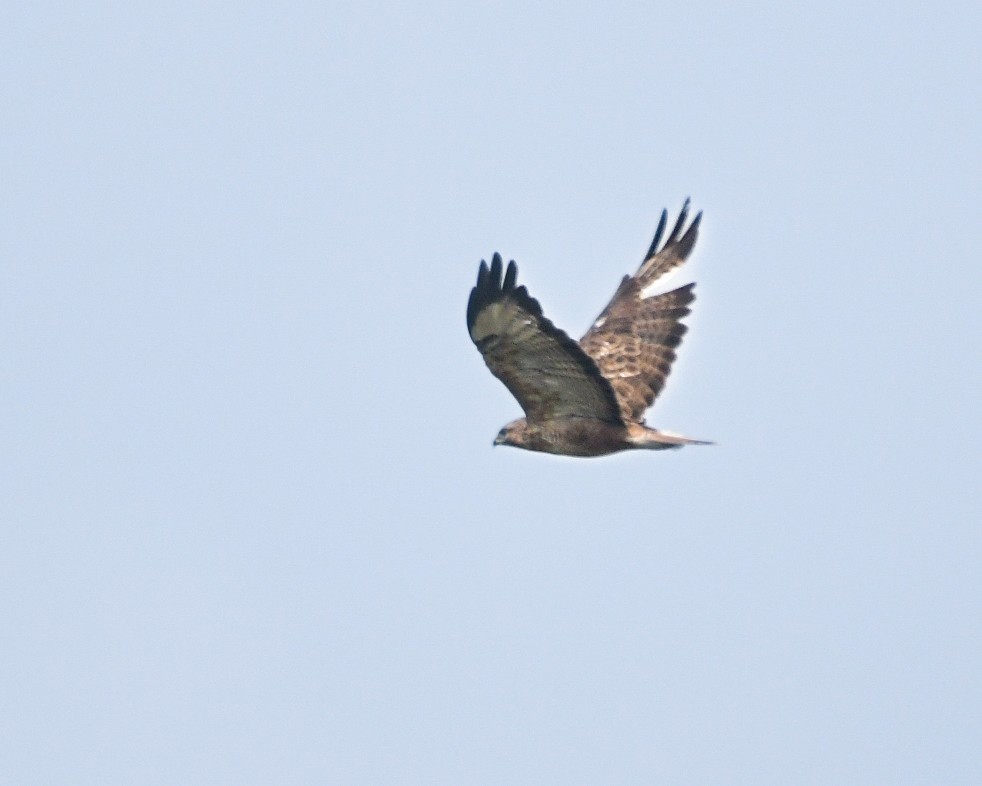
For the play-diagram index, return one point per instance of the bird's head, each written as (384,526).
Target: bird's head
(513,433)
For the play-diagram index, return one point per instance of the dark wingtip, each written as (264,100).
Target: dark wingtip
(653,248)
(495,276)
(676,233)
(510,276)
(478,293)
(679,223)
(490,287)
(688,240)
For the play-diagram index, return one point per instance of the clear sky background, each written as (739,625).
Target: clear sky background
(253,528)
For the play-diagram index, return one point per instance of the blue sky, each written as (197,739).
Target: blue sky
(253,528)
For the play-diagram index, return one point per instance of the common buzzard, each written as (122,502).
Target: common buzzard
(586,398)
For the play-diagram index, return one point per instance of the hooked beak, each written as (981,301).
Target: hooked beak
(498,440)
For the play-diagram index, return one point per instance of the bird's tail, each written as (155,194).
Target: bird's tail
(652,439)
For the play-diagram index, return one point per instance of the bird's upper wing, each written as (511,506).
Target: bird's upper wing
(546,370)
(633,341)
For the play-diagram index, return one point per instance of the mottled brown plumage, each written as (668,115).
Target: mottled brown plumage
(586,398)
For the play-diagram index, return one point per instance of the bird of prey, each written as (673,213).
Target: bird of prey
(586,398)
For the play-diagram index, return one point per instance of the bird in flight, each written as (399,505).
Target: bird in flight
(586,398)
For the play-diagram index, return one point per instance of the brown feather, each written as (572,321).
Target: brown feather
(545,369)
(633,341)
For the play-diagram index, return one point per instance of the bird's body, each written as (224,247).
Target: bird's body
(586,398)
(579,436)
